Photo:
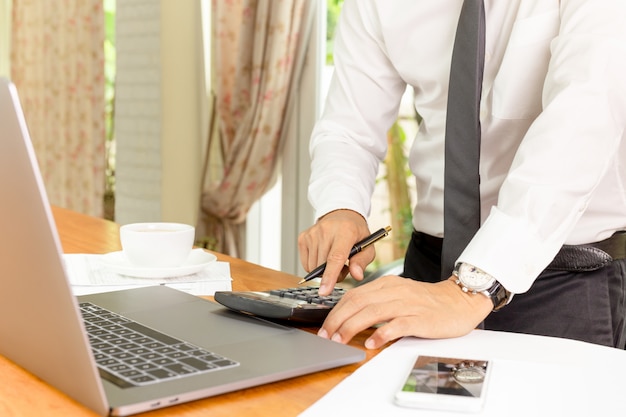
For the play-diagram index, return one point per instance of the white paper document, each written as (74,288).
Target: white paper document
(88,275)
(532,376)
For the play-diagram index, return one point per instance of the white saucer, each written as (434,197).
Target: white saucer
(198,260)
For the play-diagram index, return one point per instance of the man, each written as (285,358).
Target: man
(552,170)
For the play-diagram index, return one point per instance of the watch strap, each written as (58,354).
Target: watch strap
(498,295)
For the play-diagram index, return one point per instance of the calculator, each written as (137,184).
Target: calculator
(298,304)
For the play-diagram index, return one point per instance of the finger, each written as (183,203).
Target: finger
(357,269)
(315,252)
(304,249)
(344,273)
(335,263)
(313,248)
(421,325)
(356,311)
(359,262)
(330,278)
(392,330)
(370,315)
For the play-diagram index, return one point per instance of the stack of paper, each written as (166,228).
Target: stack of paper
(89,275)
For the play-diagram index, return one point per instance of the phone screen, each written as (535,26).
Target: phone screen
(445,382)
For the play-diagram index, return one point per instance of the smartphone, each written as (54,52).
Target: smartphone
(440,383)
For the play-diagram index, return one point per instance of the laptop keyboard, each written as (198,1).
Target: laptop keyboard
(129,354)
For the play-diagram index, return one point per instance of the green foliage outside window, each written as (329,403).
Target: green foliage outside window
(332,15)
(397,171)
(109,95)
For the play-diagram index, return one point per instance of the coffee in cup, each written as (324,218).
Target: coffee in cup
(157,244)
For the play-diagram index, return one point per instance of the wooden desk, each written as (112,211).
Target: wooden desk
(22,394)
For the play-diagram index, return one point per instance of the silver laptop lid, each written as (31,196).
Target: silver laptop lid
(41,329)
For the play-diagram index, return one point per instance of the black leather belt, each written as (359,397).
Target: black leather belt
(587,257)
(591,256)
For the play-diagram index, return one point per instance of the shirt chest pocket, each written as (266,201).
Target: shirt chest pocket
(518,85)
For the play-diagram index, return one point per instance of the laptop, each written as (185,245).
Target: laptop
(201,348)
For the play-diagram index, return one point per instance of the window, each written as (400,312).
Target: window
(275,222)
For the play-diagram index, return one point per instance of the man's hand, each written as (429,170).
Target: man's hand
(330,240)
(405,308)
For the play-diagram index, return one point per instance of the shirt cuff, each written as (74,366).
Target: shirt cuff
(509,250)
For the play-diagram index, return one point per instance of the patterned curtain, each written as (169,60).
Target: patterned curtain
(5,36)
(57,64)
(258,49)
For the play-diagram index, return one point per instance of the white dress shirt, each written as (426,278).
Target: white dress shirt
(553,114)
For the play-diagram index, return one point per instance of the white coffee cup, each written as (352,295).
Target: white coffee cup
(157,244)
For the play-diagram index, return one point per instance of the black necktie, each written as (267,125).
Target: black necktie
(461,181)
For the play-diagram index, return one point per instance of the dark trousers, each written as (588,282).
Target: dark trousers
(588,306)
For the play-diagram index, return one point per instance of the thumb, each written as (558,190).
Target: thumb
(359,262)
(357,269)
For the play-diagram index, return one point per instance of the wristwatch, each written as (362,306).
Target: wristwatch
(476,281)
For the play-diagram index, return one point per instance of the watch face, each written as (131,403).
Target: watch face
(474,279)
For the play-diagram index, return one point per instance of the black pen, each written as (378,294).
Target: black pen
(358,247)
